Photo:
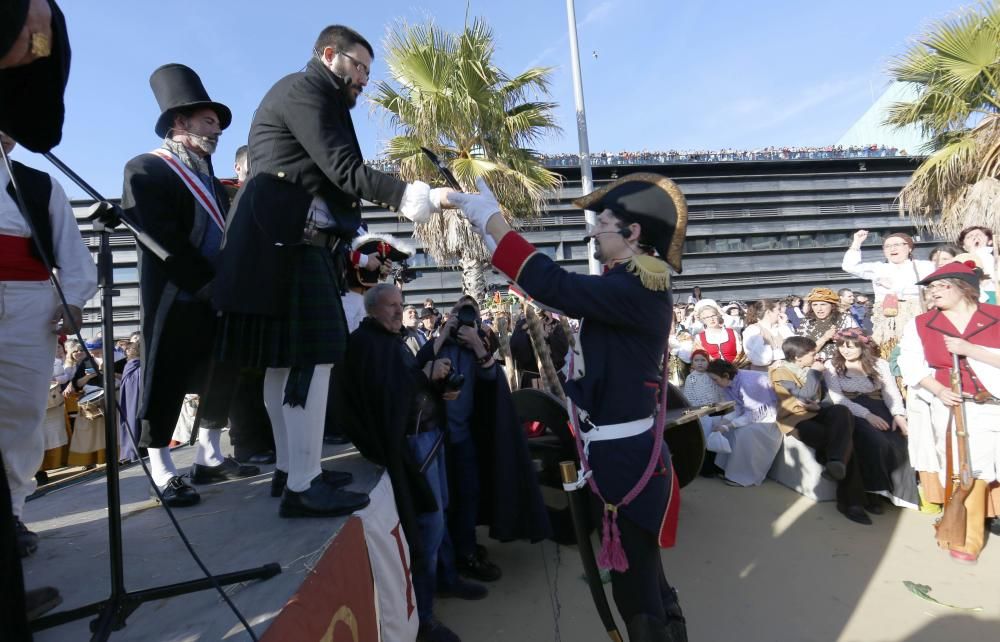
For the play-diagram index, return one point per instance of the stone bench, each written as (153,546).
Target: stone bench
(795,466)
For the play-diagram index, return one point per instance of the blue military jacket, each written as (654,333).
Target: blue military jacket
(623,337)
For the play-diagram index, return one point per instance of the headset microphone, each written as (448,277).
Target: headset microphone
(590,237)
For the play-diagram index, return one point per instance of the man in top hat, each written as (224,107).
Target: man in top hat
(285,253)
(172,194)
(626,316)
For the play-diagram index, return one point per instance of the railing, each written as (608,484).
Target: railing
(604,159)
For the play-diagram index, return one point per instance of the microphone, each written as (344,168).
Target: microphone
(199,136)
(590,237)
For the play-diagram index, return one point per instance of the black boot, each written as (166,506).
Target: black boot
(321,499)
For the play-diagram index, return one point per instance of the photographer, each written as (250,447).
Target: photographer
(463,342)
(488,464)
(392,410)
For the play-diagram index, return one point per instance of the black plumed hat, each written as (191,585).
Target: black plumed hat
(177,86)
(653,201)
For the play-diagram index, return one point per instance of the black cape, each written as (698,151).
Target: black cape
(510,500)
(379,371)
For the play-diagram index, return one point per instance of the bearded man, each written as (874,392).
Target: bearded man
(285,255)
(173,195)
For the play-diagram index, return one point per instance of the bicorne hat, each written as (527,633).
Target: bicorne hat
(655,202)
(386,246)
(177,86)
(956,270)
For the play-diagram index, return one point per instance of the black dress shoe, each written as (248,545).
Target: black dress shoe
(27,541)
(228,469)
(265,458)
(321,499)
(855,514)
(478,566)
(177,494)
(39,601)
(336,478)
(462,590)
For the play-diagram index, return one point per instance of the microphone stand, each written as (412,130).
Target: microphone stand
(113,611)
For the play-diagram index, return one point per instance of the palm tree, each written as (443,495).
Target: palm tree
(955,68)
(446,94)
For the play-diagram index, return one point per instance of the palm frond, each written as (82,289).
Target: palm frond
(446,93)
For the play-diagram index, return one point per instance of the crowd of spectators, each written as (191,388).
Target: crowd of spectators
(660,157)
(832,370)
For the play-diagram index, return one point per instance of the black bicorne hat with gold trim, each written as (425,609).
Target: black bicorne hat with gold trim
(653,201)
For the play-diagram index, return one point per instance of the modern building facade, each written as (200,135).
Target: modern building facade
(757,229)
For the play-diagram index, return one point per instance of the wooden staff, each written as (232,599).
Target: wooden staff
(543,356)
(503,333)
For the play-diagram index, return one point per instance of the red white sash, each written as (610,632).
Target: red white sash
(194,185)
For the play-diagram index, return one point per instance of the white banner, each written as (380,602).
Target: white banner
(389,555)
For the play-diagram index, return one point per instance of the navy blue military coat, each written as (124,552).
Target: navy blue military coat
(623,337)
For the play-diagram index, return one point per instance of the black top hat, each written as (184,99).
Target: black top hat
(177,86)
(655,202)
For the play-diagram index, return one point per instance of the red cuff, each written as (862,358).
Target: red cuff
(355,258)
(512,253)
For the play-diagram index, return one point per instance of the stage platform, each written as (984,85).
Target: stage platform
(235,527)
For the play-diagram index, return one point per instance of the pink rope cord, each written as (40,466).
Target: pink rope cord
(612,555)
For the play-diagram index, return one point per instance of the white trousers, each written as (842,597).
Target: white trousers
(27,349)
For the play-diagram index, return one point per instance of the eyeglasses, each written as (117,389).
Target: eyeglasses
(938,286)
(360,66)
(893,246)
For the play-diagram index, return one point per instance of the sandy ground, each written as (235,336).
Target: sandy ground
(758,564)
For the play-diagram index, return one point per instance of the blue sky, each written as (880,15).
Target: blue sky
(666,75)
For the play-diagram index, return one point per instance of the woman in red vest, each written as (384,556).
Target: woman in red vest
(961,326)
(717,340)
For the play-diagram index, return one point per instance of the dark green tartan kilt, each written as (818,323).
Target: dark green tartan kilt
(312,330)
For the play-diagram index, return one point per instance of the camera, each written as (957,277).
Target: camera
(453,380)
(403,273)
(466,315)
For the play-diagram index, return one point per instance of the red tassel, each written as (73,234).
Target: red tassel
(612,555)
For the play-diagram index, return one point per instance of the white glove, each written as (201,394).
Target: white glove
(478,208)
(417,204)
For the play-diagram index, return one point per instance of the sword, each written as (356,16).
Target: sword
(445,172)
(578,511)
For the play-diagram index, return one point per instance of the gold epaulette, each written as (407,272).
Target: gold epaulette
(652,272)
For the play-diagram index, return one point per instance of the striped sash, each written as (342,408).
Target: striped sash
(194,185)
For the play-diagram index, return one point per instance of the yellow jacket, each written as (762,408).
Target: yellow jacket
(791,410)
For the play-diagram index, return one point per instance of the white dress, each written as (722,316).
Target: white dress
(54,427)
(754,436)
(759,351)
